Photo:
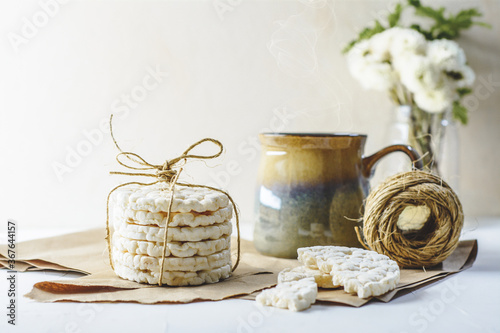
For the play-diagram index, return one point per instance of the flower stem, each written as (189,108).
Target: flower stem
(427,134)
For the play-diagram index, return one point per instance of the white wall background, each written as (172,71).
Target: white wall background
(225,69)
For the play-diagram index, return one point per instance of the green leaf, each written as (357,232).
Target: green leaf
(483,24)
(349,46)
(445,32)
(366,33)
(467,14)
(448,27)
(369,32)
(464,19)
(414,3)
(427,34)
(393,17)
(436,15)
(460,112)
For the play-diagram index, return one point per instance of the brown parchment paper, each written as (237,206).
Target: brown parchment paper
(81,252)
(85,252)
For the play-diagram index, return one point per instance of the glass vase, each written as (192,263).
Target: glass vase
(433,135)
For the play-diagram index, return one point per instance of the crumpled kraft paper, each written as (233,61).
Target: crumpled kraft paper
(85,252)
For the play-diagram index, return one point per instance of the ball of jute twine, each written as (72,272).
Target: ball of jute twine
(426,247)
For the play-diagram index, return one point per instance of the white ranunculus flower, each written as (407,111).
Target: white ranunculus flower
(430,85)
(417,73)
(357,58)
(378,76)
(450,59)
(359,51)
(407,40)
(446,54)
(431,71)
(369,69)
(459,78)
(468,77)
(372,61)
(433,100)
(380,45)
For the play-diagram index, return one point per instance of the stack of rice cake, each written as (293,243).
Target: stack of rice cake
(198,247)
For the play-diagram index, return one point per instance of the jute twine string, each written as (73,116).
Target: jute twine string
(165,174)
(426,247)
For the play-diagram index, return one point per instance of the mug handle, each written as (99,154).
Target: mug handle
(370,161)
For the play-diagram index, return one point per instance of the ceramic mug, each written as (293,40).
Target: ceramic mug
(311,189)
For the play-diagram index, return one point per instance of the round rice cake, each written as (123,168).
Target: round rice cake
(190,219)
(296,295)
(173,278)
(323,280)
(175,249)
(362,272)
(189,264)
(175,234)
(155,198)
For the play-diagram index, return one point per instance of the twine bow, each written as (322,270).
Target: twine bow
(164,174)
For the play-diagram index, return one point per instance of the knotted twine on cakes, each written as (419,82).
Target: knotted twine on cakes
(167,175)
(433,240)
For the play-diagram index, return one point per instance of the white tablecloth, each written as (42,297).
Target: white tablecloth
(465,302)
